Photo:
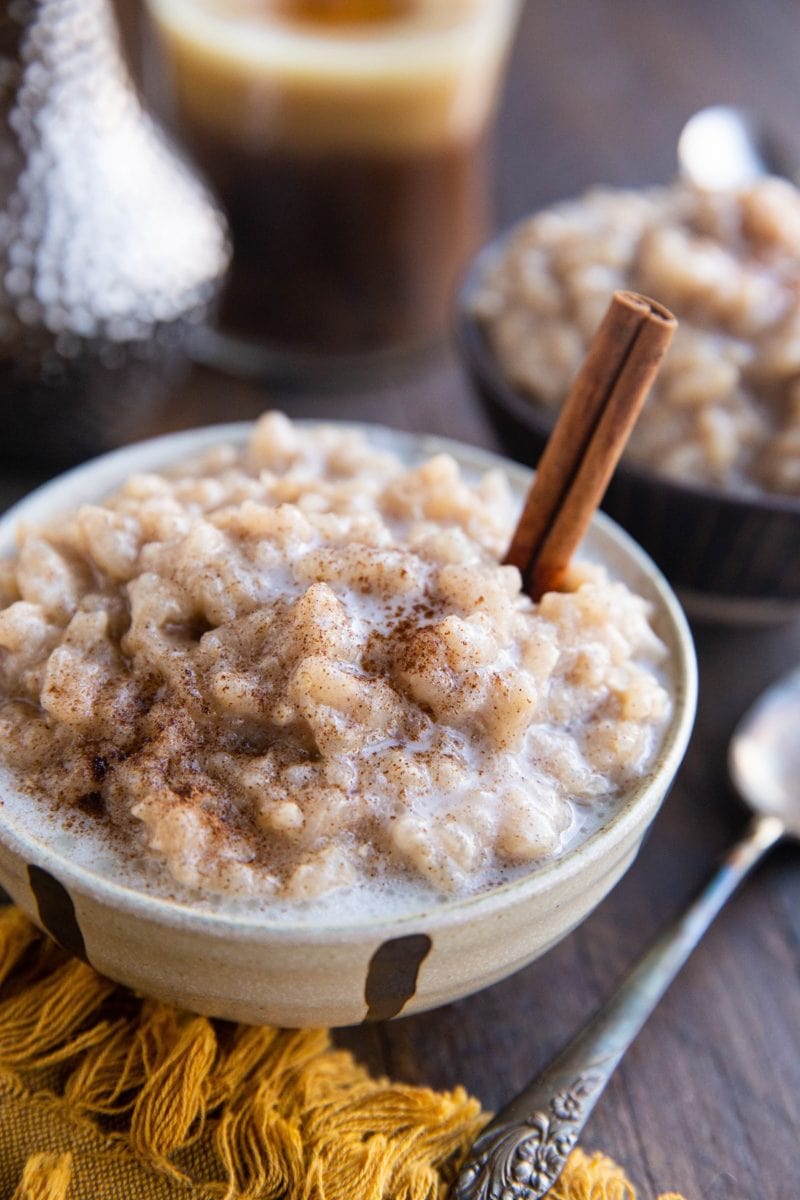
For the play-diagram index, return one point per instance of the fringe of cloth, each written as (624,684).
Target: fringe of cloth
(218,1111)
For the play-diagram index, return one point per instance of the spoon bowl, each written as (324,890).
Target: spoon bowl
(764,755)
(723,146)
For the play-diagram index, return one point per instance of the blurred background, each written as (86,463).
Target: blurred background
(591,94)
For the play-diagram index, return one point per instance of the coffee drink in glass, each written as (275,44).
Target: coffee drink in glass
(347,142)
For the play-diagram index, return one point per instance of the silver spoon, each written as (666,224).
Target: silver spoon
(725,147)
(521,1153)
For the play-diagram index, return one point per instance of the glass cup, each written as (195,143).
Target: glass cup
(347,143)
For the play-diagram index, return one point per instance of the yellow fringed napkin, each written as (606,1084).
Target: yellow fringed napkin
(104,1096)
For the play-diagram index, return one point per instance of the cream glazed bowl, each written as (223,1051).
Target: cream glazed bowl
(338,969)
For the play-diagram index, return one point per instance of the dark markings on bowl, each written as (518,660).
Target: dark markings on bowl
(392,975)
(56,911)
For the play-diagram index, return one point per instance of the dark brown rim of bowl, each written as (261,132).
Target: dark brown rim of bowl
(477,354)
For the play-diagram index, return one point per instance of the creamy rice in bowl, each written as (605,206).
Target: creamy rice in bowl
(281,739)
(717,447)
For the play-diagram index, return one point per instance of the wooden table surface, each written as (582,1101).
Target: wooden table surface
(707,1102)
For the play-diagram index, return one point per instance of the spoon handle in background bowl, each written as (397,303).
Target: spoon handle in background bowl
(522,1151)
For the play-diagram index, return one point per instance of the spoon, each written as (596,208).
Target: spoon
(520,1154)
(725,147)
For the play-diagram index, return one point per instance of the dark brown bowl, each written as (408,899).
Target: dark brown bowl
(732,558)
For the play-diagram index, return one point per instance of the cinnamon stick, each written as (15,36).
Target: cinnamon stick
(588,438)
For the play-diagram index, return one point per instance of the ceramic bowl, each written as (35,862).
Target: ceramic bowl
(246,968)
(732,558)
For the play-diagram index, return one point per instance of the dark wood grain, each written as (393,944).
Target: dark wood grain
(708,1100)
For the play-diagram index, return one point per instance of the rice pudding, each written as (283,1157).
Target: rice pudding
(725,409)
(297,666)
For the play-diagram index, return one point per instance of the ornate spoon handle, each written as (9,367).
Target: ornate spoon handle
(522,1152)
